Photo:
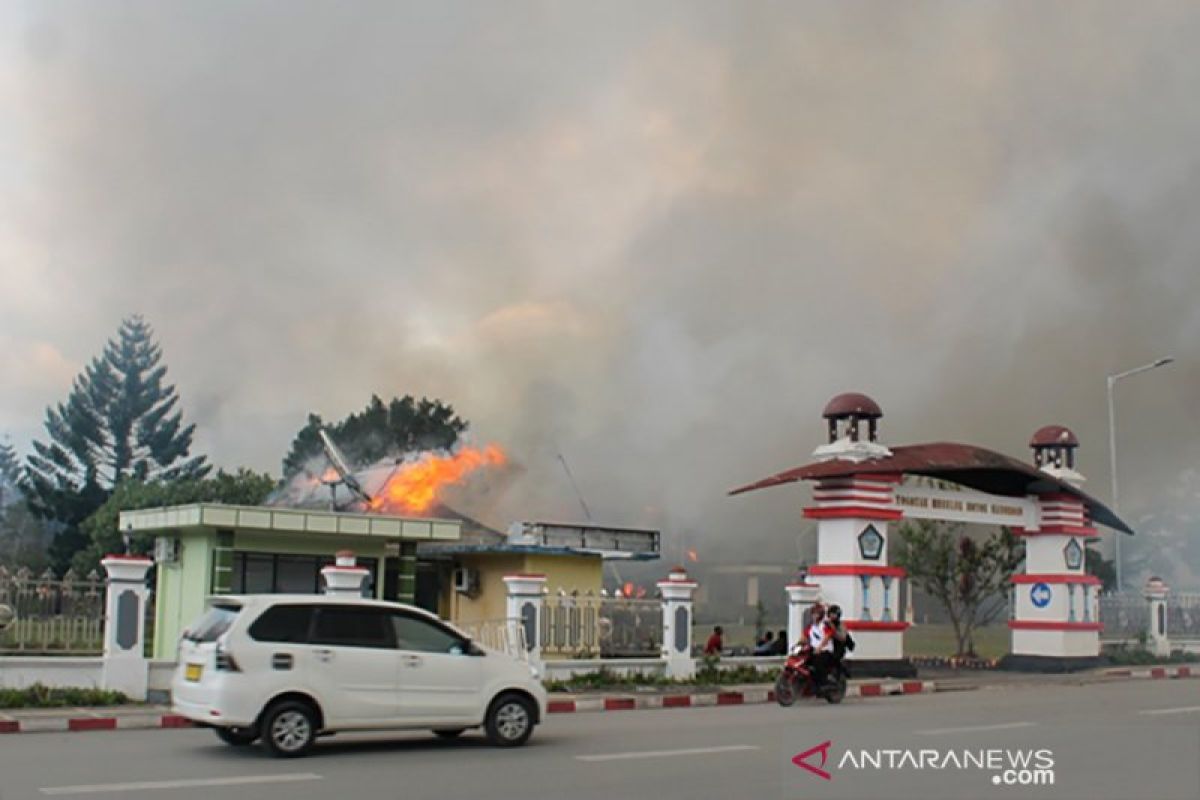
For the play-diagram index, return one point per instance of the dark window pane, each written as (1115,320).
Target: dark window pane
(353,627)
(282,624)
(423,636)
(296,575)
(260,574)
(238,583)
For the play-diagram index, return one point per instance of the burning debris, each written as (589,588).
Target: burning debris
(409,485)
(414,485)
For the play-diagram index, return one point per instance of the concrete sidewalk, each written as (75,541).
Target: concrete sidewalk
(132,717)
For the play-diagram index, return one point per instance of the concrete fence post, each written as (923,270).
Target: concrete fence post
(677,591)
(1155,591)
(801,597)
(524,605)
(125,667)
(344,578)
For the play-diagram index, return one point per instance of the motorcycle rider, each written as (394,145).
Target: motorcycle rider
(820,638)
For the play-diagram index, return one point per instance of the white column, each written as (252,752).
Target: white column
(677,591)
(523,610)
(125,667)
(344,578)
(1155,591)
(801,597)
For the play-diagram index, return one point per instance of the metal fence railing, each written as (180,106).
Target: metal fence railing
(630,627)
(51,615)
(1127,615)
(498,634)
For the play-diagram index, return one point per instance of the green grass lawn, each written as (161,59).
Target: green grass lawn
(932,639)
(938,640)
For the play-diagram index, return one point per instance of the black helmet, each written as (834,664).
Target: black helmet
(835,611)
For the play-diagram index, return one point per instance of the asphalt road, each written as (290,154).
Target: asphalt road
(1137,739)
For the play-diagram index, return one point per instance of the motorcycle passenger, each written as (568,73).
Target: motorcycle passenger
(842,640)
(819,637)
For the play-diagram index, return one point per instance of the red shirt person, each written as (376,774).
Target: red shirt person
(715,642)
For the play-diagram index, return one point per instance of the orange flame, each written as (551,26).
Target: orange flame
(415,486)
(627,589)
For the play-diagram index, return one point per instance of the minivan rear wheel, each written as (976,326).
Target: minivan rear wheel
(238,737)
(509,721)
(289,728)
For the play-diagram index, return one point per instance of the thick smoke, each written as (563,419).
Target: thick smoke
(652,239)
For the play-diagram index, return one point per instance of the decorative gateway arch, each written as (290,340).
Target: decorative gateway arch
(859,491)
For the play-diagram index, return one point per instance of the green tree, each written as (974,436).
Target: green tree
(120,420)
(22,535)
(378,431)
(968,578)
(243,487)
(1103,568)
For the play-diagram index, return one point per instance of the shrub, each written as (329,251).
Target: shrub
(39,695)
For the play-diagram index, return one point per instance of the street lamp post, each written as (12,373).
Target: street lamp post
(1112,447)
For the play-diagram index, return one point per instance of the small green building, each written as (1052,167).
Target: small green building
(209,548)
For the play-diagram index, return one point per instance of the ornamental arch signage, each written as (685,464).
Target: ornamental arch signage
(861,486)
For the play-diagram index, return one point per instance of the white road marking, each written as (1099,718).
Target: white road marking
(1179,710)
(999,727)
(691,751)
(99,788)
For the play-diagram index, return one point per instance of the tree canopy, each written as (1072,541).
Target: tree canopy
(120,420)
(380,430)
(243,487)
(968,578)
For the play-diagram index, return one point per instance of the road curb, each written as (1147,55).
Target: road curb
(93,723)
(1154,673)
(732,698)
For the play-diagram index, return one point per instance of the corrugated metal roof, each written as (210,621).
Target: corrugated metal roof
(965,464)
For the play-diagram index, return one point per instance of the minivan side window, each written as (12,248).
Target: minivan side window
(213,624)
(347,626)
(414,633)
(282,624)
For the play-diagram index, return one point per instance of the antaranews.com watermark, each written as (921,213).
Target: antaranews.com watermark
(1007,767)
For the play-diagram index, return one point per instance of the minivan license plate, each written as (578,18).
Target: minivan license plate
(192,673)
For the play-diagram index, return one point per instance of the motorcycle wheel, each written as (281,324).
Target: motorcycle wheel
(785,690)
(837,691)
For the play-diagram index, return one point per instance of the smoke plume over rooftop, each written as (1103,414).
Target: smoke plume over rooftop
(654,238)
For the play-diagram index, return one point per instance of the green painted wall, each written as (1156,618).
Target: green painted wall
(182,588)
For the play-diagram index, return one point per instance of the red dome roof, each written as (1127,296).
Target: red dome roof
(854,403)
(1054,436)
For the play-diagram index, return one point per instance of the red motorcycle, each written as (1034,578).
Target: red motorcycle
(796,679)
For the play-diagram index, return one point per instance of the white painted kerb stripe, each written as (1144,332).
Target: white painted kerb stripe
(1000,727)
(691,751)
(99,788)
(1179,710)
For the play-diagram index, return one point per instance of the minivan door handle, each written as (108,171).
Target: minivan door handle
(412,661)
(324,654)
(281,661)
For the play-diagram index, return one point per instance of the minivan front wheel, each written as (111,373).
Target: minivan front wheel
(289,728)
(509,721)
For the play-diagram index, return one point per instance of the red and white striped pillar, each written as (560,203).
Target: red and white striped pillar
(1056,603)
(853,516)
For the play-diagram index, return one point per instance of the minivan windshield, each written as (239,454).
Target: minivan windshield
(215,622)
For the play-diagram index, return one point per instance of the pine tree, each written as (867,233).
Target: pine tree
(119,421)
(10,475)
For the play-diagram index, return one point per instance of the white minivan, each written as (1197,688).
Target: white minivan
(287,668)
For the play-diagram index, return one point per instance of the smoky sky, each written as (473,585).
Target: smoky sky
(655,238)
